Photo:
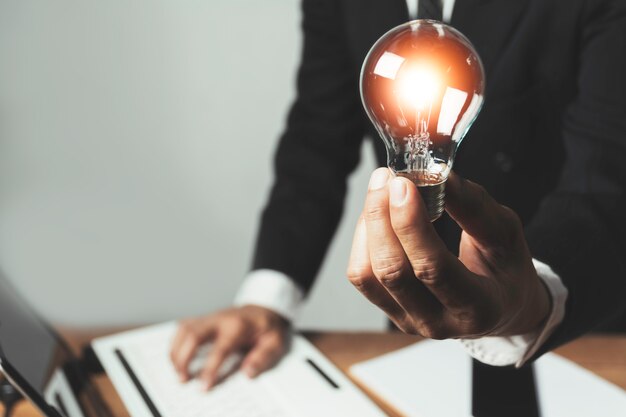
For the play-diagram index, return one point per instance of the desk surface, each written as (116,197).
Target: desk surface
(601,354)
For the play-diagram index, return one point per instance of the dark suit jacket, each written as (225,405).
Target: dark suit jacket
(550,141)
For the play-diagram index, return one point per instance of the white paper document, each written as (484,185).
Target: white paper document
(433,378)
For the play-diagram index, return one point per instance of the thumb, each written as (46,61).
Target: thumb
(478,214)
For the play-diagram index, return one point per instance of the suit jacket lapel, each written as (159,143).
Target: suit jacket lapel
(489,24)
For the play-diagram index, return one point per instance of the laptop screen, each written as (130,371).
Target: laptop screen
(34,353)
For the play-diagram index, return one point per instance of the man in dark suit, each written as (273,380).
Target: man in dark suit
(550,144)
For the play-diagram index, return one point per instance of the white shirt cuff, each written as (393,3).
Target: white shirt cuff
(501,350)
(272,290)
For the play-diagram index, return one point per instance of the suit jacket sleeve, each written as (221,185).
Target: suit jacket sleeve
(316,153)
(580,229)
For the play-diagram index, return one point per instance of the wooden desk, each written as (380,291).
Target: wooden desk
(601,354)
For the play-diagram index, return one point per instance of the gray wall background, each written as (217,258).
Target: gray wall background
(136,140)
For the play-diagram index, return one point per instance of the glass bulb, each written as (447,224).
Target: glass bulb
(422,86)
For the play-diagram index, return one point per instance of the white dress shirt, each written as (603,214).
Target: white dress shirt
(276,291)
(447,7)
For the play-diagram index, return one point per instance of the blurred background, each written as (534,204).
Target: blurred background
(136,144)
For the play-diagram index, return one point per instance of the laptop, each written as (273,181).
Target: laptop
(38,363)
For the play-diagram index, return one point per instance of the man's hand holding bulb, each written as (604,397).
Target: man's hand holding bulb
(399,263)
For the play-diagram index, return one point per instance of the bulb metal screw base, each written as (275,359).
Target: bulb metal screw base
(432,190)
(433,196)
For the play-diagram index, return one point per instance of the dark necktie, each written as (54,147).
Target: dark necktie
(430,9)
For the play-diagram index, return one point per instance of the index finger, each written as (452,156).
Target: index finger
(362,277)
(478,214)
(185,344)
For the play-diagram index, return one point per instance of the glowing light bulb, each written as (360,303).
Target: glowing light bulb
(422,86)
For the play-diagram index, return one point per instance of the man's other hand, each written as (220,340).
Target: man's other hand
(401,265)
(257,330)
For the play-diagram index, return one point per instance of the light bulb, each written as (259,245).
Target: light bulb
(422,86)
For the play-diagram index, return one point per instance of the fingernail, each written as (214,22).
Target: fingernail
(208,383)
(182,377)
(379,179)
(397,192)
(250,371)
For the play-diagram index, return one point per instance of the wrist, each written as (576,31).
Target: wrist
(539,307)
(533,313)
(267,316)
